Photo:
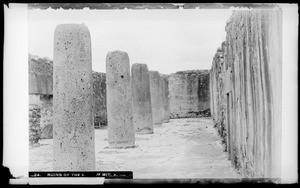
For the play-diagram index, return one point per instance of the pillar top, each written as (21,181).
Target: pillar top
(139,65)
(64,27)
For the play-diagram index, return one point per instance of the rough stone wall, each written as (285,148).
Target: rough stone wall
(46,116)
(40,72)
(189,94)
(218,103)
(34,124)
(99,99)
(45,106)
(40,76)
(246,91)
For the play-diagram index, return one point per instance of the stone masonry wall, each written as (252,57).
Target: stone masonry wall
(218,102)
(40,75)
(46,116)
(189,94)
(246,91)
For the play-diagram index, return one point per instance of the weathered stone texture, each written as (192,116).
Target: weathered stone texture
(45,106)
(46,116)
(189,94)
(156,97)
(218,103)
(40,75)
(40,89)
(166,108)
(246,91)
(119,100)
(73,128)
(142,112)
(99,99)
(34,124)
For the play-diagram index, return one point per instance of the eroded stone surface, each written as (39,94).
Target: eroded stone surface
(156,97)
(40,75)
(99,99)
(119,100)
(166,108)
(46,116)
(246,91)
(73,129)
(142,112)
(189,94)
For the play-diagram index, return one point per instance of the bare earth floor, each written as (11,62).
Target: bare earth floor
(182,148)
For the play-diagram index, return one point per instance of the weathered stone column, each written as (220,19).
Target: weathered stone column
(142,112)
(119,100)
(73,129)
(166,108)
(156,97)
(162,97)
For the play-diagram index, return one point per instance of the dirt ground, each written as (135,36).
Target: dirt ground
(182,148)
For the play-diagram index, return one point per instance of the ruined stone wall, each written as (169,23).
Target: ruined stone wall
(34,124)
(189,94)
(40,75)
(46,116)
(246,91)
(218,103)
(99,99)
(44,105)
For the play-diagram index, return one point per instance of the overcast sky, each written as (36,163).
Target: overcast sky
(166,40)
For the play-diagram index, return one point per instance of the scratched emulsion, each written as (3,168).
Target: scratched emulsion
(142,112)
(119,100)
(73,128)
(156,97)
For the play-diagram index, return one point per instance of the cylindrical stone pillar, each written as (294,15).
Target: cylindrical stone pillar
(156,97)
(73,128)
(119,100)
(166,108)
(142,112)
(162,96)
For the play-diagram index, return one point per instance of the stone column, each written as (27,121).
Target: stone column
(119,101)
(166,100)
(162,96)
(73,129)
(142,112)
(156,97)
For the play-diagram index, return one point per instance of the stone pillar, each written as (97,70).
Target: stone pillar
(119,100)
(166,108)
(156,97)
(162,97)
(142,112)
(99,99)
(73,129)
